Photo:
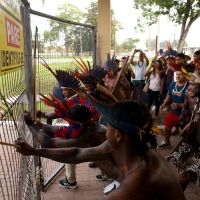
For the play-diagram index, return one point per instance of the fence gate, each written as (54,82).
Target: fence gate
(58,41)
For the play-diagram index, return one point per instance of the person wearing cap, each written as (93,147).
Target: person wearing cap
(145,174)
(174,104)
(186,156)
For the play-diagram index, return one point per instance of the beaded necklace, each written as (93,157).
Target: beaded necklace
(139,64)
(176,92)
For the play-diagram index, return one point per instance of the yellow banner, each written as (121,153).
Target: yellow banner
(11,37)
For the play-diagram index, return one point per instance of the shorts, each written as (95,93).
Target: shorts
(171,120)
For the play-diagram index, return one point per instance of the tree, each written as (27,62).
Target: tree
(91,18)
(70,32)
(182,12)
(83,35)
(128,44)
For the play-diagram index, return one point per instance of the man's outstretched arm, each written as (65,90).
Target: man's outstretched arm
(47,142)
(67,155)
(43,138)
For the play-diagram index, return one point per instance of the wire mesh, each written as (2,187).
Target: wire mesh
(16,171)
(58,43)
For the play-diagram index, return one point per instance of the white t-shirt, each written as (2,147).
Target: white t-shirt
(155,82)
(139,70)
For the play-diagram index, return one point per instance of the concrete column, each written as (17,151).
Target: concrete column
(103,30)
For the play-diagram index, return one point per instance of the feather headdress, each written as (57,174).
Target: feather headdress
(54,102)
(65,78)
(110,63)
(89,74)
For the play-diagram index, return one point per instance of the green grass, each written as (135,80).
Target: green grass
(12,84)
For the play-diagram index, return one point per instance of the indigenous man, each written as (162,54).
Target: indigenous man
(187,156)
(145,174)
(174,103)
(92,134)
(67,93)
(122,89)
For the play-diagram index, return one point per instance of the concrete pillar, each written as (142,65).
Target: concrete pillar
(103,30)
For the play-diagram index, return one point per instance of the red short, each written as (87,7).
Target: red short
(171,120)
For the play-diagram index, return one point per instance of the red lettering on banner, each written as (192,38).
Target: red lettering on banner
(13,33)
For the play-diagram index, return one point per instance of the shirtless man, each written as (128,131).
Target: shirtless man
(115,81)
(145,174)
(91,134)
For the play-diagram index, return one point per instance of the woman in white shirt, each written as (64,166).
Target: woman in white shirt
(154,76)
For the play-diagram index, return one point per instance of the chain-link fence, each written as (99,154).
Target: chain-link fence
(17,173)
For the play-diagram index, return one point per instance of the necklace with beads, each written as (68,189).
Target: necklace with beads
(175,90)
(139,64)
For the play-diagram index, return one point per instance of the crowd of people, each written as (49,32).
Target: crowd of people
(110,112)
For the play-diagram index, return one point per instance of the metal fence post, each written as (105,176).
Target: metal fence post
(27,53)
(29,74)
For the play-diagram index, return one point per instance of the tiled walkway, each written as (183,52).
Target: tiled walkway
(90,189)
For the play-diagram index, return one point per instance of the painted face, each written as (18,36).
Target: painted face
(180,76)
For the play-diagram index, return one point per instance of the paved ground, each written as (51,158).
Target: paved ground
(90,189)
